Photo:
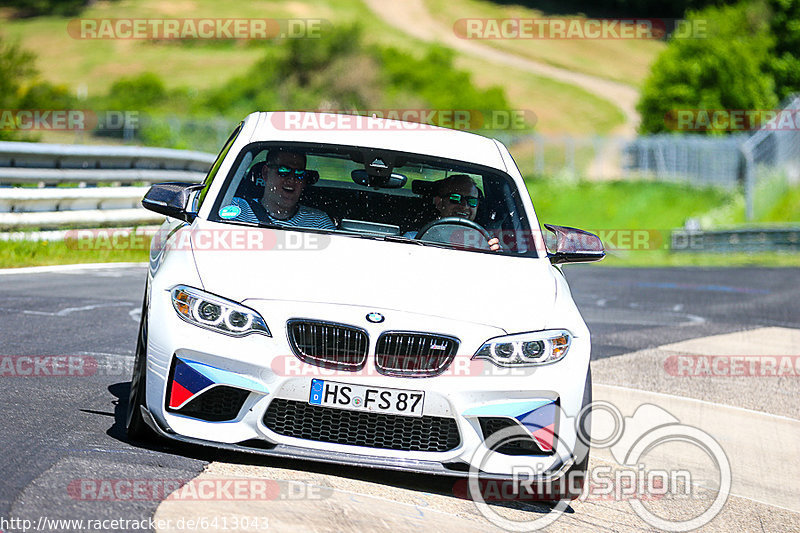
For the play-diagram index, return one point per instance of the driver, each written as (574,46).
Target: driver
(285,178)
(457,196)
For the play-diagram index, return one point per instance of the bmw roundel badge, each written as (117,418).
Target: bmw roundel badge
(375,318)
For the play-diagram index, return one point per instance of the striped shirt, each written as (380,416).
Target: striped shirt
(305,217)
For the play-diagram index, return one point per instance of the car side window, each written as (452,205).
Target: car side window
(209,179)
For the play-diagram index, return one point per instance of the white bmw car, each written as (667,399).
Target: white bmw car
(368,292)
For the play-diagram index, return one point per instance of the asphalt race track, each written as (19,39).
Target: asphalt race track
(59,431)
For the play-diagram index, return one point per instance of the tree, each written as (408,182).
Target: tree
(16,68)
(35,8)
(726,70)
(785,61)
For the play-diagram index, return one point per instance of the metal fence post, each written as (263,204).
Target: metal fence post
(749,179)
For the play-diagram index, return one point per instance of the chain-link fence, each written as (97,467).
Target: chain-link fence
(764,164)
(772,158)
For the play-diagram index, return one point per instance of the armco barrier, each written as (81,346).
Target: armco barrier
(61,172)
(740,240)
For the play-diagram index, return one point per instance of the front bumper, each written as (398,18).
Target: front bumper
(365,461)
(266,367)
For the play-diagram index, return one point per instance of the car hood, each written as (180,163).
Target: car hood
(511,293)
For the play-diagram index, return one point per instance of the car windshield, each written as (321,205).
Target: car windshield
(407,198)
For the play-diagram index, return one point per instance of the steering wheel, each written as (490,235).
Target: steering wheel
(456,221)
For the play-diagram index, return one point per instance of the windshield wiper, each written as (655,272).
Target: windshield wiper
(400,238)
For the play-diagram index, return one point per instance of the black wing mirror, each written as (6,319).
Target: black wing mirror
(575,245)
(170,199)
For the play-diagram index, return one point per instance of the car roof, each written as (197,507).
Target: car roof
(371,132)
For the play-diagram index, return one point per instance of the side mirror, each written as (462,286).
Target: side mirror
(170,199)
(575,245)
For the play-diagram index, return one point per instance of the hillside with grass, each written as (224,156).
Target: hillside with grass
(91,67)
(190,93)
(624,60)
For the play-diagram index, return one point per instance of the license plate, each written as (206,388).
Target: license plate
(361,398)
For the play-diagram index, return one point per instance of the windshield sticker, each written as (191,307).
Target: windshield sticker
(230,211)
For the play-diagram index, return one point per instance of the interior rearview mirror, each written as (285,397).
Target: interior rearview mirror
(393,181)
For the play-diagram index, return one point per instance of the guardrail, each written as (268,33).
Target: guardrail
(747,240)
(63,184)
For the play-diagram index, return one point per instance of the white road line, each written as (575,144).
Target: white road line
(67,268)
(125,355)
(760,447)
(69,310)
(614,463)
(706,402)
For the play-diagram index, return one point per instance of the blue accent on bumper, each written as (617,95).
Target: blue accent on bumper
(226,377)
(517,409)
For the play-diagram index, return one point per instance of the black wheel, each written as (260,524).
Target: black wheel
(135,425)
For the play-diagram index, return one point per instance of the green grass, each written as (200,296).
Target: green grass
(623,60)
(776,204)
(96,64)
(784,205)
(22,254)
(14,254)
(621,205)
(559,107)
(619,211)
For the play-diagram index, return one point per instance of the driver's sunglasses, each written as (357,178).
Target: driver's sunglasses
(284,171)
(472,201)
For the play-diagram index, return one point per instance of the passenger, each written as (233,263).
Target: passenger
(457,196)
(285,179)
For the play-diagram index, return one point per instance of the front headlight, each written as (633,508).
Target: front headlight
(526,349)
(215,313)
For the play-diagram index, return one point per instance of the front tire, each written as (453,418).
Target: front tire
(135,425)
(574,480)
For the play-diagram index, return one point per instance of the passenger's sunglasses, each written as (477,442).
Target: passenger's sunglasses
(285,172)
(472,201)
